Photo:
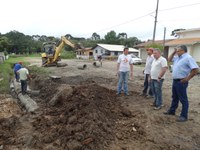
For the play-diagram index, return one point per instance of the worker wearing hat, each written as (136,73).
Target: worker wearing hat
(147,91)
(17,66)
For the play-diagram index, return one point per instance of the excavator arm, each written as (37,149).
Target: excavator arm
(58,49)
(48,60)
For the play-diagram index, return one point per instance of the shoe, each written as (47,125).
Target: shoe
(153,104)
(157,108)
(126,94)
(181,119)
(118,94)
(149,96)
(169,113)
(143,94)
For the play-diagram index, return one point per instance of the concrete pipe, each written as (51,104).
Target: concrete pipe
(25,100)
(61,64)
(82,66)
(35,92)
(97,64)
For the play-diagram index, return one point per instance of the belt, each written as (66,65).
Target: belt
(177,79)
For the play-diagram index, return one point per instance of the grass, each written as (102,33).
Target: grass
(26,55)
(6,72)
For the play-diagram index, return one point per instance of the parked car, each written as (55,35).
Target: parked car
(136,60)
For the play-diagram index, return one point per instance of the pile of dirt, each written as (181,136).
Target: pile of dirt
(8,106)
(74,114)
(88,118)
(7,130)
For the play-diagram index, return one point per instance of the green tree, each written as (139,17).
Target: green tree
(95,36)
(4,42)
(111,38)
(155,45)
(132,41)
(122,35)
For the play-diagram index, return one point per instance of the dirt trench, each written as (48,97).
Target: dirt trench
(84,115)
(80,111)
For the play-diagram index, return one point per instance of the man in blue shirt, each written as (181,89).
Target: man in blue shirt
(17,66)
(184,68)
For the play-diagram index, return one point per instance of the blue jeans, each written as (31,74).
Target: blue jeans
(147,86)
(157,90)
(179,92)
(16,75)
(123,80)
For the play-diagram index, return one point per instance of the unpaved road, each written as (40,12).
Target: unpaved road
(88,115)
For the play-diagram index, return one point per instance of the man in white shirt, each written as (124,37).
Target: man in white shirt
(147,91)
(124,66)
(23,76)
(158,70)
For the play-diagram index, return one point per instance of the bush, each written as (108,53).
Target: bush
(68,54)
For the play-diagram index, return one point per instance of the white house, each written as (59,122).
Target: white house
(112,50)
(85,53)
(142,47)
(190,38)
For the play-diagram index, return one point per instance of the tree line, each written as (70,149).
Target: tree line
(19,43)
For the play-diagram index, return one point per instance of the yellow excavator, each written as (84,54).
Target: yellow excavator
(51,54)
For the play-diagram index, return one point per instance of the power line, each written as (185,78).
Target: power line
(179,7)
(126,22)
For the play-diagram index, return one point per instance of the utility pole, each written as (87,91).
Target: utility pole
(164,37)
(155,22)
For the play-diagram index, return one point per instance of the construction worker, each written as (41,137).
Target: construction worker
(147,91)
(23,76)
(17,66)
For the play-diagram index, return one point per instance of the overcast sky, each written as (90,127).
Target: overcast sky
(81,18)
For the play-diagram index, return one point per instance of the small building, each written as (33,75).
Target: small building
(111,50)
(86,53)
(190,38)
(142,47)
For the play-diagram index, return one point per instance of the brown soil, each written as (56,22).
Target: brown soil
(81,111)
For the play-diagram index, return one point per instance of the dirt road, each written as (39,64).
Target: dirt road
(81,111)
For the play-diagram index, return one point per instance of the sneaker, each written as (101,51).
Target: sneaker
(169,113)
(153,104)
(157,108)
(149,96)
(181,119)
(118,94)
(126,94)
(143,94)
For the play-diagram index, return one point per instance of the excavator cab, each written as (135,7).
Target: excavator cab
(48,51)
(49,48)
(51,51)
